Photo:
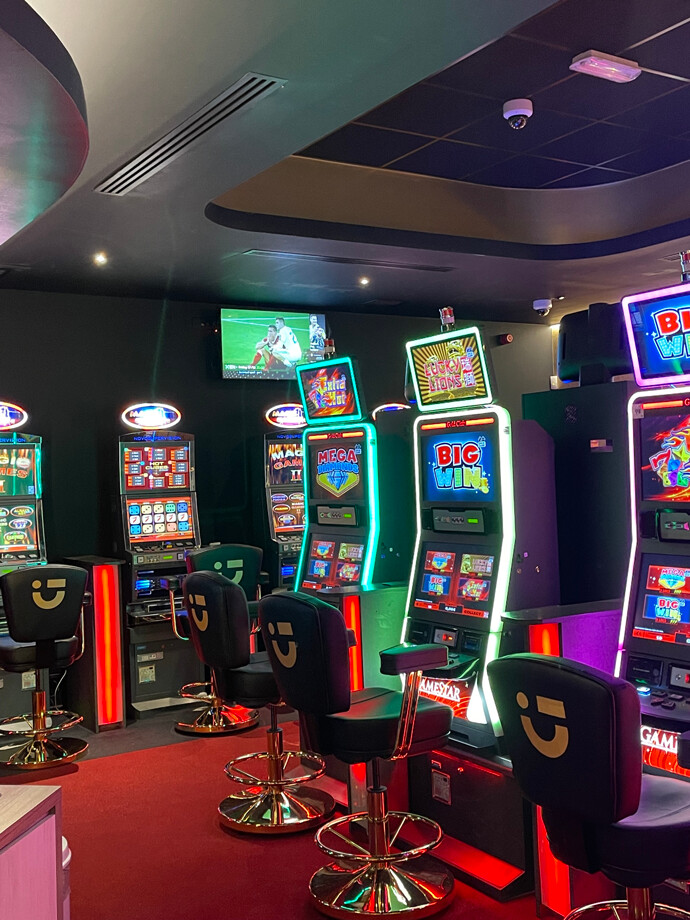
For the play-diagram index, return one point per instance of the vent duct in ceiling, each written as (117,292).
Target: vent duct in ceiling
(243,94)
(343,260)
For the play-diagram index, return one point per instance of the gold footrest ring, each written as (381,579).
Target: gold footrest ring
(290,760)
(351,830)
(51,716)
(220,720)
(194,691)
(40,753)
(419,889)
(619,909)
(276,811)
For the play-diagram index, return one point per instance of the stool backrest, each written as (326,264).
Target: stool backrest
(572,733)
(218,620)
(307,644)
(238,562)
(43,602)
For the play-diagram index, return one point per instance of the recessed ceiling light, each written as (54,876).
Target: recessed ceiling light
(100,258)
(561,297)
(606,66)
(364,281)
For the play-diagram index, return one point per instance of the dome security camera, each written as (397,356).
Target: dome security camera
(542,307)
(517,111)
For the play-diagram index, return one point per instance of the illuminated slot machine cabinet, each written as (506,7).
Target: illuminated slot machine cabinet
(283,468)
(22,540)
(359,511)
(486,544)
(159,525)
(655,629)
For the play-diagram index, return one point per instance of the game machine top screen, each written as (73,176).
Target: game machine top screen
(458,462)
(337,466)
(160,519)
(449,371)
(662,611)
(284,461)
(165,463)
(255,345)
(333,563)
(330,392)
(658,327)
(18,470)
(665,453)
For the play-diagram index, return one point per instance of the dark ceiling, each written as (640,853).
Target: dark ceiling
(585,131)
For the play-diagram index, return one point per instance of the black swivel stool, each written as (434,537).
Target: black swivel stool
(241,564)
(573,734)
(275,799)
(43,606)
(372,873)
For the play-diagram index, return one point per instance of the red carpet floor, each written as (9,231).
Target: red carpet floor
(146,844)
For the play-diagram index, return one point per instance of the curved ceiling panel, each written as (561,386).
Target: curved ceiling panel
(43,130)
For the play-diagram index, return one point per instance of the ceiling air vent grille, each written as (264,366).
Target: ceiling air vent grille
(240,96)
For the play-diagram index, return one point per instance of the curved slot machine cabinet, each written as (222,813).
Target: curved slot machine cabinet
(359,511)
(22,536)
(159,525)
(486,543)
(283,468)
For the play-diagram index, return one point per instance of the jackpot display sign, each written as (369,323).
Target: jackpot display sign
(458,465)
(665,456)
(658,327)
(329,391)
(17,470)
(449,370)
(153,467)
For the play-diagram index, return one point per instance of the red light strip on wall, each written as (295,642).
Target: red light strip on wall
(545,639)
(669,404)
(352,614)
(108,641)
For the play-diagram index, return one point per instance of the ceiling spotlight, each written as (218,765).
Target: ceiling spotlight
(606,66)
(561,297)
(100,258)
(364,281)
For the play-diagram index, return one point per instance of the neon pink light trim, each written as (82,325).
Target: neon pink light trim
(641,298)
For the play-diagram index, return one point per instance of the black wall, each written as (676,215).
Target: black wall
(74,362)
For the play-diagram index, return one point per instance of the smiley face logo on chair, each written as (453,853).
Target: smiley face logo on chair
(553,747)
(236,564)
(198,600)
(52,584)
(286,659)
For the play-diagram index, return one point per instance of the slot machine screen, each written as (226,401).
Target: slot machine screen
(662,612)
(284,462)
(454,579)
(665,456)
(333,563)
(657,323)
(329,391)
(287,511)
(148,467)
(458,464)
(151,519)
(17,470)
(337,469)
(18,530)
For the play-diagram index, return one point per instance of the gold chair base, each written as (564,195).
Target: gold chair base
(220,720)
(417,888)
(276,810)
(624,910)
(39,753)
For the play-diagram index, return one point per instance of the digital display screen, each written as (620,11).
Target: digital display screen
(662,612)
(337,469)
(284,462)
(287,511)
(17,470)
(256,345)
(658,324)
(329,391)
(665,456)
(149,467)
(160,520)
(458,465)
(18,528)
(333,564)
(454,581)
(449,370)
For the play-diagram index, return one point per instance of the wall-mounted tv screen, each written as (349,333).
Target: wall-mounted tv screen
(258,345)
(665,456)
(458,465)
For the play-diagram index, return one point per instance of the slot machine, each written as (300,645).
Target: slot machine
(359,510)
(159,525)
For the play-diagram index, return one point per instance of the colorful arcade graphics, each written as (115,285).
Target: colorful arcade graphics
(21,510)
(283,466)
(474,528)
(358,509)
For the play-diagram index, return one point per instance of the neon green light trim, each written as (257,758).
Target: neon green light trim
(456,403)
(332,419)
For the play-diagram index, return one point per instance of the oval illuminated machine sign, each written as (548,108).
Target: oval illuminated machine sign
(11,416)
(286,415)
(151,416)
